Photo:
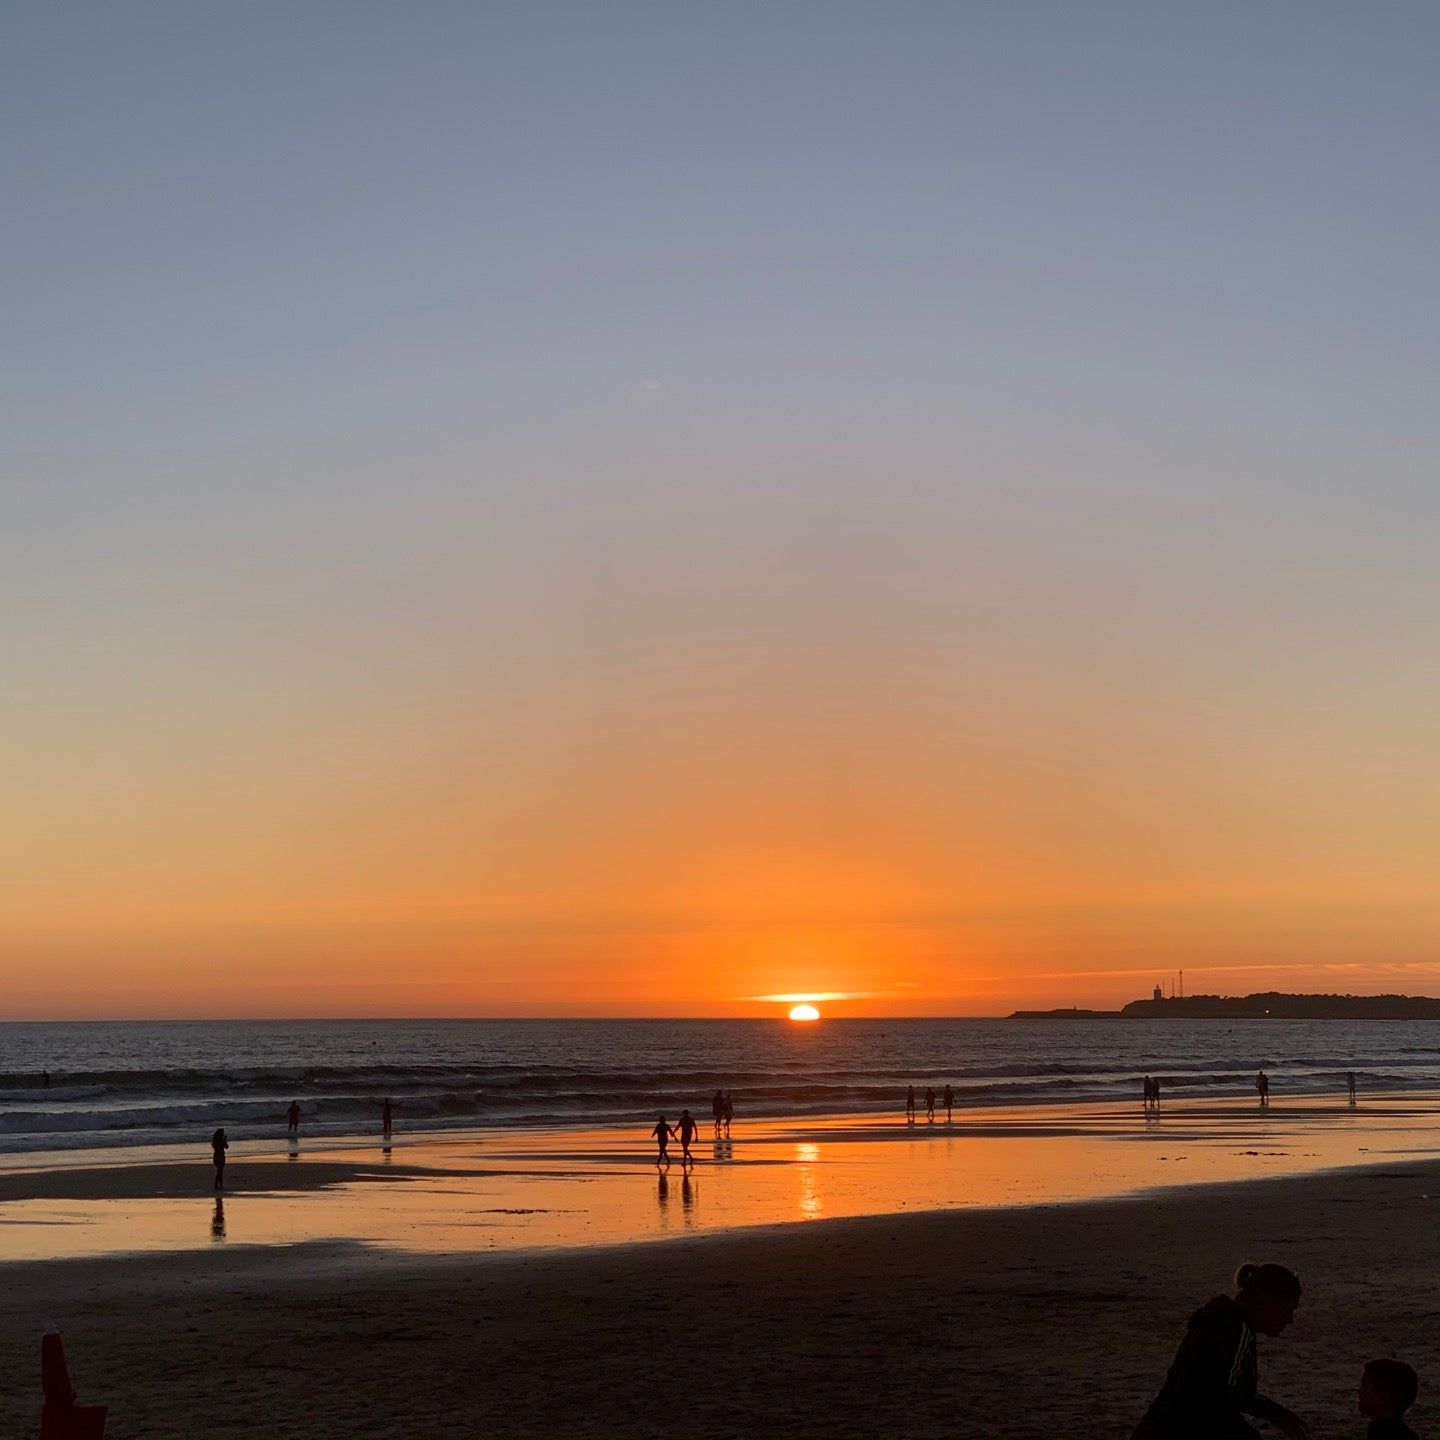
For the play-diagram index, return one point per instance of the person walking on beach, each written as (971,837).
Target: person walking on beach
(728,1115)
(292,1118)
(949,1104)
(218,1146)
(717,1108)
(930,1104)
(1262,1087)
(663,1133)
(387,1119)
(910,1105)
(1350,1084)
(687,1131)
(1212,1384)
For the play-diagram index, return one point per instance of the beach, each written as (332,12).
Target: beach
(1032,1322)
(1034,1318)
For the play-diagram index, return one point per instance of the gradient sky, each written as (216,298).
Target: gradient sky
(622,509)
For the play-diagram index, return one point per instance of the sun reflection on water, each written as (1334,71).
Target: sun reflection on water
(806,1157)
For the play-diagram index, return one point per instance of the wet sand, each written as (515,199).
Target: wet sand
(1030,1322)
(497,1285)
(505,1191)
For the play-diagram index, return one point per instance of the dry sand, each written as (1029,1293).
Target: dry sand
(1041,1322)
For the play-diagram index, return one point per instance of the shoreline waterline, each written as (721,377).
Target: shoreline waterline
(496,1193)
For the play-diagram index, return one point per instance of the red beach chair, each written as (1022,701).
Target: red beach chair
(61,1418)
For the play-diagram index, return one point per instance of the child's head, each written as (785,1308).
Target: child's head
(1270,1295)
(1387,1387)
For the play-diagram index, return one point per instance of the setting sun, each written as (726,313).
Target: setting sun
(804,1012)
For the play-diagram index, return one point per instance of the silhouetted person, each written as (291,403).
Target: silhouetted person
(1148,1086)
(292,1117)
(729,1113)
(387,1119)
(218,1146)
(1211,1386)
(930,1104)
(663,1133)
(949,1103)
(910,1104)
(717,1108)
(687,1131)
(1387,1390)
(1155,1091)
(217,1220)
(1350,1084)
(1262,1087)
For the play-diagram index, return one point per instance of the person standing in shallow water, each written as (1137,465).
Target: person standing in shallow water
(292,1117)
(1350,1085)
(1213,1383)
(1262,1087)
(387,1119)
(219,1144)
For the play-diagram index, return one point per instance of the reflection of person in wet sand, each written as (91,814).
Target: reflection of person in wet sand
(1262,1087)
(292,1117)
(387,1119)
(910,1104)
(217,1220)
(949,1104)
(687,1132)
(1211,1386)
(663,1133)
(219,1144)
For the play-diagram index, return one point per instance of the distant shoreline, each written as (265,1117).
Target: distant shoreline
(1266,1005)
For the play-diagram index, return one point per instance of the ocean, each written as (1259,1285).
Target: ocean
(122,1084)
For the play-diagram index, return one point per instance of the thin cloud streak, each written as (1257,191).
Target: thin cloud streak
(811,996)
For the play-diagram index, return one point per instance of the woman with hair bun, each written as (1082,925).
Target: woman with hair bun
(1211,1386)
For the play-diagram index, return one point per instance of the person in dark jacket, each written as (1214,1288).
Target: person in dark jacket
(1387,1390)
(1211,1386)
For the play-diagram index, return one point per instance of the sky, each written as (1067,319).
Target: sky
(559,509)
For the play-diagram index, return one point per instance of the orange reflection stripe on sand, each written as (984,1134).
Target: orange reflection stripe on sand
(507,1191)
